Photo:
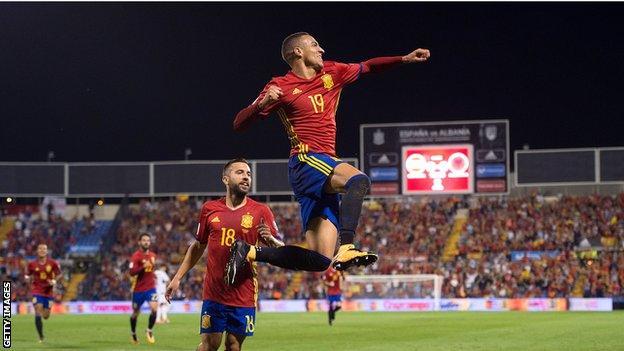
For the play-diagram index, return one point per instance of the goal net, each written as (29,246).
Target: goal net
(399,286)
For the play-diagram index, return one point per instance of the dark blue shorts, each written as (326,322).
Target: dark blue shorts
(44,300)
(334,298)
(307,174)
(217,318)
(138,298)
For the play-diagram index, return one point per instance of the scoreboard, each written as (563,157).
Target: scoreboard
(460,157)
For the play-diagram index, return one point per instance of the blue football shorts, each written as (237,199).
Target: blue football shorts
(219,318)
(308,173)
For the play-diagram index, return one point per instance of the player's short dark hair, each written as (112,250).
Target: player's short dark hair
(288,45)
(236,160)
(144,234)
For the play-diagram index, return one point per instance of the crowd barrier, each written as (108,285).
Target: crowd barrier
(364,305)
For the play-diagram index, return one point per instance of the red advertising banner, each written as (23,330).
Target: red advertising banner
(385,189)
(491,186)
(432,169)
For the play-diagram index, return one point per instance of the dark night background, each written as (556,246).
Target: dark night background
(142,82)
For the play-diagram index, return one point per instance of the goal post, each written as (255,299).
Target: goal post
(421,285)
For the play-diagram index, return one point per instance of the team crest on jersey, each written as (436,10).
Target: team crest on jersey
(48,268)
(328,82)
(247,221)
(205,321)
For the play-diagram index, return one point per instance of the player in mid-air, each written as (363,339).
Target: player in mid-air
(43,273)
(162,279)
(306,100)
(142,269)
(332,279)
(229,308)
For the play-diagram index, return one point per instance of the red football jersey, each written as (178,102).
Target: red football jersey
(308,107)
(333,276)
(145,277)
(41,275)
(219,226)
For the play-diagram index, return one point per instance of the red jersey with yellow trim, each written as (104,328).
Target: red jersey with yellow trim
(145,276)
(219,226)
(41,275)
(308,107)
(333,280)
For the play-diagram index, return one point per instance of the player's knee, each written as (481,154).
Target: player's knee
(360,183)
(232,346)
(212,346)
(204,346)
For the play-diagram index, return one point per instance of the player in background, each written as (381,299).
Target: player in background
(43,273)
(306,100)
(229,308)
(333,280)
(142,268)
(162,280)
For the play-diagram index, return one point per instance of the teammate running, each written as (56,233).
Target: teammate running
(44,273)
(142,267)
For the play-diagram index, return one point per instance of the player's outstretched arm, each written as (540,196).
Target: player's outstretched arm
(379,64)
(193,254)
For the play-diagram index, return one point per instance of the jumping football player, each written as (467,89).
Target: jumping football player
(306,101)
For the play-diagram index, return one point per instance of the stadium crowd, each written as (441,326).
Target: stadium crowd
(31,228)
(508,247)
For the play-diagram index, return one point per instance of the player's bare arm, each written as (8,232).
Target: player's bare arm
(265,233)
(418,55)
(193,254)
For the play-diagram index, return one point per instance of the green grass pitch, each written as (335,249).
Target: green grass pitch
(352,331)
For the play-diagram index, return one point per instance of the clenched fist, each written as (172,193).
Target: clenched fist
(418,55)
(272,95)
